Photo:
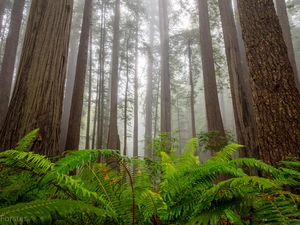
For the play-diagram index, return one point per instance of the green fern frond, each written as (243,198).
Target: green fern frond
(272,209)
(168,166)
(25,142)
(233,217)
(187,157)
(27,160)
(46,212)
(74,160)
(225,154)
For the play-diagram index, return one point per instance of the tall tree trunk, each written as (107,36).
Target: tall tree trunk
(274,91)
(192,89)
(88,120)
(136,84)
(149,96)
(73,53)
(113,135)
(9,57)
(126,97)
(285,26)
(241,100)
(165,118)
(99,143)
(73,135)
(38,93)
(213,113)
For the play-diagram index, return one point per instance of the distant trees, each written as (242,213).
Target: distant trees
(73,134)
(9,58)
(38,93)
(274,92)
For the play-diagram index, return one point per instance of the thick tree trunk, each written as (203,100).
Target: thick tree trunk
(285,26)
(165,119)
(149,96)
(73,135)
(113,135)
(9,57)
(38,93)
(274,91)
(213,113)
(242,102)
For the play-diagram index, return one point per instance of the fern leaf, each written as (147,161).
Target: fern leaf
(46,212)
(25,142)
(225,154)
(233,217)
(187,157)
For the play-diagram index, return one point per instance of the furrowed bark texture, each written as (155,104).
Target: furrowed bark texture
(274,92)
(38,93)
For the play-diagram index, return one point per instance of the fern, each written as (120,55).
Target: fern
(25,142)
(46,212)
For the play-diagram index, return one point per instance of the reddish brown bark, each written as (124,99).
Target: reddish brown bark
(274,92)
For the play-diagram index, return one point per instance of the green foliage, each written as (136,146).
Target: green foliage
(213,141)
(39,191)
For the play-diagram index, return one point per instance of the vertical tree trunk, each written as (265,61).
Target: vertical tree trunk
(213,113)
(241,100)
(9,57)
(274,91)
(73,53)
(113,135)
(149,96)
(99,143)
(126,96)
(136,84)
(165,119)
(38,93)
(88,122)
(192,89)
(285,26)
(73,135)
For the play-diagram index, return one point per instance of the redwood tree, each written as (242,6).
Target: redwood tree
(274,91)
(38,93)
(73,135)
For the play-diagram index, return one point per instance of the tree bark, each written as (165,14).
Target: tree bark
(38,93)
(213,113)
(73,135)
(274,91)
(241,99)
(192,89)
(165,119)
(9,57)
(149,96)
(285,26)
(113,135)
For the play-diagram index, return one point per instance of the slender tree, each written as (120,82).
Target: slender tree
(9,57)
(136,82)
(73,135)
(165,119)
(285,25)
(213,113)
(149,96)
(38,93)
(113,135)
(274,91)
(192,88)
